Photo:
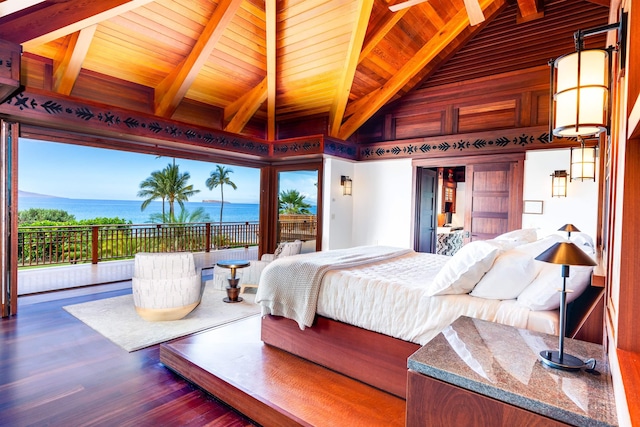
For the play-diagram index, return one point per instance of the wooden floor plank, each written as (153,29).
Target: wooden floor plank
(273,387)
(55,370)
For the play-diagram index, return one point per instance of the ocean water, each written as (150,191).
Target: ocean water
(130,209)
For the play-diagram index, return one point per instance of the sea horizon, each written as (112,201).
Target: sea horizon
(129,210)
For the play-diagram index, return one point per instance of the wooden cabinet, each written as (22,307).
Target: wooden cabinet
(448,186)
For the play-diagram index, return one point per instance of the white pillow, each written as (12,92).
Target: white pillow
(512,271)
(461,273)
(519,237)
(542,293)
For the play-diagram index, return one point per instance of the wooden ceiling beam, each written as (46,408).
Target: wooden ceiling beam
(530,9)
(271,33)
(36,26)
(375,100)
(9,7)
(254,99)
(66,71)
(175,85)
(343,89)
(387,26)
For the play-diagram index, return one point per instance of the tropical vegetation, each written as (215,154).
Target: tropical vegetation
(220,177)
(169,185)
(292,202)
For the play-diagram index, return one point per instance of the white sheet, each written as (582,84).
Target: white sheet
(388,297)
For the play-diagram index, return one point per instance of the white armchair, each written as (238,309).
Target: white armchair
(250,276)
(165,286)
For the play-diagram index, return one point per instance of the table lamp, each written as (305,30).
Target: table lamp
(569,228)
(566,254)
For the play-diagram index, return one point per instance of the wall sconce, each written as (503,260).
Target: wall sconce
(559,184)
(583,163)
(580,84)
(345,182)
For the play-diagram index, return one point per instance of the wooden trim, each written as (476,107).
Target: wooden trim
(373,358)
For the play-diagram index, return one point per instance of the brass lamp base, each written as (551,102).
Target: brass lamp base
(567,362)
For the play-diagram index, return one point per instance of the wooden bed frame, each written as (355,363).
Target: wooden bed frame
(373,358)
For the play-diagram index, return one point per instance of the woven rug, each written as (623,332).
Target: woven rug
(117,320)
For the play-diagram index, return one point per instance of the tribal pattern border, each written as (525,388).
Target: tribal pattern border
(114,121)
(452,146)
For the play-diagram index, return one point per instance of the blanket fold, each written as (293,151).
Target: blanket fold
(289,286)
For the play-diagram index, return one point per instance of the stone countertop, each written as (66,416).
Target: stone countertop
(502,362)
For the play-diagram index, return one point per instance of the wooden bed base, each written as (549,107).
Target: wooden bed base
(373,358)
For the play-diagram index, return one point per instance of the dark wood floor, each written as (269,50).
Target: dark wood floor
(55,370)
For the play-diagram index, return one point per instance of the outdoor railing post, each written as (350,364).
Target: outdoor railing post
(207,244)
(94,244)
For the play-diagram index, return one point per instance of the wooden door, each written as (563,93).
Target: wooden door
(494,198)
(427,190)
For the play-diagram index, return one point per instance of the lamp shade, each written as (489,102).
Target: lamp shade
(566,253)
(569,228)
(583,163)
(582,84)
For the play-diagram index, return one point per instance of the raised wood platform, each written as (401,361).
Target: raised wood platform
(273,387)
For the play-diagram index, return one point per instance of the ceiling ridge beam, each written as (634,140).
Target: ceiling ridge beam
(271,35)
(343,89)
(175,85)
(376,99)
(84,23)
(253,101)
(66,72)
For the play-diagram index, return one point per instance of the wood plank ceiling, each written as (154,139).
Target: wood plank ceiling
(270,61)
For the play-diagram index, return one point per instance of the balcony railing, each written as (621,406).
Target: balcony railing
(84,244)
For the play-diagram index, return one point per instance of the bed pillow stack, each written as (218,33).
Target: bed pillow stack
(461,273)
(513,270)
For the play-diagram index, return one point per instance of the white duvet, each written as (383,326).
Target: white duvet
(389,297)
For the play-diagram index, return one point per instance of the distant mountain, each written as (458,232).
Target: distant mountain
(42,196)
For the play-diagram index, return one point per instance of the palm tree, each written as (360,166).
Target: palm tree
(169,185)
(220,177)
(153,188)
(292,202)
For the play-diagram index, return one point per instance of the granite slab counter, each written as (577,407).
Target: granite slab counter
(502,362)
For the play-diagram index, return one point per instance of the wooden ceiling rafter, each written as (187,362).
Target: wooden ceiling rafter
(271,35)
(47,35)
(254,99)
(170,92)
(387,26)
(372,102)
(343,86)
(66,71)
(7,7)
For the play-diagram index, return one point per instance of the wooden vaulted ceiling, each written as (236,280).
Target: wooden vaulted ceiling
(264,61)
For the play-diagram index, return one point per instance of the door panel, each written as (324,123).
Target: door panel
(8,218)
(494,193)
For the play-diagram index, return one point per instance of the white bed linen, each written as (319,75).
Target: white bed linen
(389,297)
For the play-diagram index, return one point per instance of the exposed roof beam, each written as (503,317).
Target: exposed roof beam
(391,21)
(172,89)
(253,101)
(529,8)
(343,89)
(66,71)
(373,101)
(8,7)
(37,26)
(271,29)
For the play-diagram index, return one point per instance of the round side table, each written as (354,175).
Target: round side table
(233,291)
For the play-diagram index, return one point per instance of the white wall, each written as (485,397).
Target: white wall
(382,210)
(337,208)
(579,208)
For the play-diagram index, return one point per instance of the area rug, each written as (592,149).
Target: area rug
(117,320)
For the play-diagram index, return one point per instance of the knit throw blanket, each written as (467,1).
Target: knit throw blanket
(289,286)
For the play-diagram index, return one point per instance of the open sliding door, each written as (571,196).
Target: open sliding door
(9,220)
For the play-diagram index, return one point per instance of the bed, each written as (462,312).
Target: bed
(363,311)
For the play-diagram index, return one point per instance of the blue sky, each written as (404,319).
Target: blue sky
(78,172)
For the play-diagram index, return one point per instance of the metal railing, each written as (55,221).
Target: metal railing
(94,243)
